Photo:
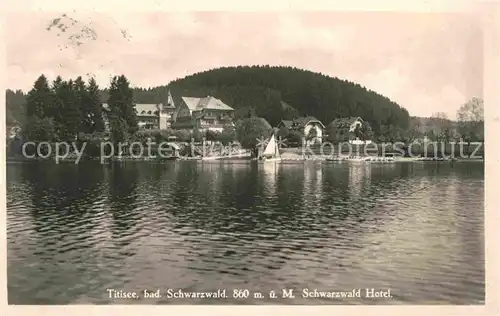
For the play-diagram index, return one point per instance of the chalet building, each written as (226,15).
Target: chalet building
(208,113)
(147,116)
(349,129)
(309,126)
(154,116)
(151,116)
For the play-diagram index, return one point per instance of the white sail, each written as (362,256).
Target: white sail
(271,147)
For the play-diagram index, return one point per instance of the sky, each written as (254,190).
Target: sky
(425,61)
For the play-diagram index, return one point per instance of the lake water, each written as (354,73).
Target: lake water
(75,231)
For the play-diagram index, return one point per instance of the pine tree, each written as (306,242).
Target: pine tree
(121,104)
(81,98)
(68,117)
(39,99)
(95,105)
(55,110)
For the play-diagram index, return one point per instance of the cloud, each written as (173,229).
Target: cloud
(422,61)
(389,81)
(292,34)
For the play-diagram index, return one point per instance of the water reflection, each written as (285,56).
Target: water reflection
(125,211)
(270,177)
(359,177)
(260,226)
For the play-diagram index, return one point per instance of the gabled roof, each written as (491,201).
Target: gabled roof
(192,103)
(198,104)
(213,104)
(303,121)
(286,123)
(142,109)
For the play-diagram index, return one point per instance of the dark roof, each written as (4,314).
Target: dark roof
(195,103)
(347,121)
(287,124)
(300,122)
(176,97)
(212,103)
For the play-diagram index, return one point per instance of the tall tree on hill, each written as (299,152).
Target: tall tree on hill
(94,102)
(81,98)
(56,108)
(118,128)
(89,103)
(39,98)
(69,118)
(121,103)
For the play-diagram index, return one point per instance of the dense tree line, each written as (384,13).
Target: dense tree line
(72,111)
(68,110)
(61,110)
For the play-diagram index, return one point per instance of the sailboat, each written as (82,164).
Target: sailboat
(271,153)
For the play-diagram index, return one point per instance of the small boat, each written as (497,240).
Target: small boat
(381,159)
(271,153)
(358,159)
(433,159)
(212,157)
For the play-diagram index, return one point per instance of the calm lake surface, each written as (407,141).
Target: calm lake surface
(75,231)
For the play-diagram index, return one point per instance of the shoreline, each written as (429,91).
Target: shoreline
(239,159)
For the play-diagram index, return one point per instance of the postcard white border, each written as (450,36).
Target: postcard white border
(490,12)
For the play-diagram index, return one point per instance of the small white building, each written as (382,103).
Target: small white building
(358,141)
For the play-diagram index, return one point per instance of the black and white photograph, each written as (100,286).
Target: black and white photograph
(224,157)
